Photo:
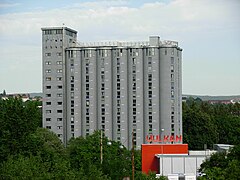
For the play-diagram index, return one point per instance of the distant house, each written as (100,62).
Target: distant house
(24,97)
(220,101)
(237,100)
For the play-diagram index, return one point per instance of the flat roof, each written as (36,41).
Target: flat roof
(54,28)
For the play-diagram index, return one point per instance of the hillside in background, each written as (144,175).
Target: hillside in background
(204,98)
(207,98)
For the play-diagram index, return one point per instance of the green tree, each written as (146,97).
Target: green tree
(198,129)
(85,152)
(45,143)
(17,122)
(222,165)
(228,129)
(33,167)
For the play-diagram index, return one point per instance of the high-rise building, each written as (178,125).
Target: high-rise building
(116,87)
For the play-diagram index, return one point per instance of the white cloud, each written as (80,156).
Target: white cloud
(183,20)
(100,4)
(8,5)
(175,17)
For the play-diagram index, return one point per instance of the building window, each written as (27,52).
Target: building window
(48,111)
(48,119)
(172,68)
(118,94)
(59,54)
(59,127)
(87,103)
(72,78)
(59,103)
(48,78)
(118,69)
(103,87)
(48,62)
(48,103)
(134,60)
(149,61)
(59,87)
(172,77)
(149,77)
(59,111)
(59,62)
(87,87)
(72,119)
(59,119)
(59,70)
(172,60)
(59,31)
(48,87)
(150,94)
(48,127)
(59,95)
(47,54)
(118,86)
(72,62)
(48,70)
(48,95)
(150,119)
(87,78)
(172,93)
(59,78)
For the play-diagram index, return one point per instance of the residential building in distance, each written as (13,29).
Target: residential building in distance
(121,88)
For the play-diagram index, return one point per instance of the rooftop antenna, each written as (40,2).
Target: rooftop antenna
(63,24)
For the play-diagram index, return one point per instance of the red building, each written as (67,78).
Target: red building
(149,151)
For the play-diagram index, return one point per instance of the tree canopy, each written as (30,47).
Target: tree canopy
(31,152)
(222,165)
(204,123)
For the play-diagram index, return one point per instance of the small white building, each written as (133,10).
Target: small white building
(182,166)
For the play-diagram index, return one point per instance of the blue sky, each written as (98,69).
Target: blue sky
(207,30)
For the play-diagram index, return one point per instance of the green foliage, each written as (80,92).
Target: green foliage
(85,152)
(138,160)
(30,152)
(222,165)
(17,122)
(45,144)
(199,129)
(34,167)
(204,123)
(151,176)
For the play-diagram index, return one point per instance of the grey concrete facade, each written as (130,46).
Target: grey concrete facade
(118,87)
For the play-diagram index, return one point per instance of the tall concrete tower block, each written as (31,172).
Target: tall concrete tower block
(121,88)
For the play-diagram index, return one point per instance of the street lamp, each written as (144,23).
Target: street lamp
(133,168)
(109,143)
(101,149)
(162,130)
